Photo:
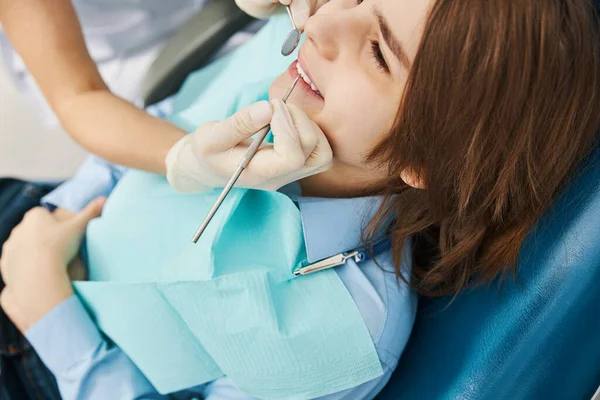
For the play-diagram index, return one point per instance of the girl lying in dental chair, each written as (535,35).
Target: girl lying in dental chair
(465,122)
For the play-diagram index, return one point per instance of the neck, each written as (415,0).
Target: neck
(341,181)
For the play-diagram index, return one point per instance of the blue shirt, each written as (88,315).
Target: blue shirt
(87,366)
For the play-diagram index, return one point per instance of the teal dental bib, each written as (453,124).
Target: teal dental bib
(229,305)
(187,314)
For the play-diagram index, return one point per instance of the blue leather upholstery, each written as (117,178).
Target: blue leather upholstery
(536,337)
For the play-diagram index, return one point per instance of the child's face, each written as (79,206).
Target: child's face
(360,75)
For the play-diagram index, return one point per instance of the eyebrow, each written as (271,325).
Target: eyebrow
(390,40)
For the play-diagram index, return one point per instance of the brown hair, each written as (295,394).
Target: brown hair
(501,105)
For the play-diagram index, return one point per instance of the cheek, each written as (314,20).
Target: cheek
(355,123)
(355,117)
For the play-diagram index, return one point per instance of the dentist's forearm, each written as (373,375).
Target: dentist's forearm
(47,35)
(118,131)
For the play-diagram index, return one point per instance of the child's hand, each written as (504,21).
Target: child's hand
(35,258)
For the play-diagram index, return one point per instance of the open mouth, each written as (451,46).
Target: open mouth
(307,79)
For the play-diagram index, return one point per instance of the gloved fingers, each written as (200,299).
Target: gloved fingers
(276,183)
(316,147)
(299,149)
(281,157)
(224,135)
(259,8)
(236,153)
(183,172)
(317,151)
(301,11)
(322,154)
(286,139)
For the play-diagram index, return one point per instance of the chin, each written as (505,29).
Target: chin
(278,87)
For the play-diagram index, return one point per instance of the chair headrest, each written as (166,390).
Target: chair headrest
(535,336)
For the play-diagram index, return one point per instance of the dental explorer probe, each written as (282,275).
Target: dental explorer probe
(260,137)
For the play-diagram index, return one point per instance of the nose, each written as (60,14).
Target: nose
(333,30)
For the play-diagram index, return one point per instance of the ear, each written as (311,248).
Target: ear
(411,178)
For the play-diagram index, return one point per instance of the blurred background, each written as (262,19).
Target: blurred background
(29,147)
(123,37)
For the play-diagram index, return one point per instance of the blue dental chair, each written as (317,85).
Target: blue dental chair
(535,337)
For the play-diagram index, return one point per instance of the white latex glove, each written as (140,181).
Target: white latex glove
(301,9)
(207,158)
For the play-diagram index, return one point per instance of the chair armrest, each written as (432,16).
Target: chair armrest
(191,48)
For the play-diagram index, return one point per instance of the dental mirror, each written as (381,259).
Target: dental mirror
(292,39)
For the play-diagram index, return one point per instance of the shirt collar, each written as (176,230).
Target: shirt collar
(333,226)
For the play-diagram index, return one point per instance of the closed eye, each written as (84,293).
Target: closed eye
(376,52)
(378,56)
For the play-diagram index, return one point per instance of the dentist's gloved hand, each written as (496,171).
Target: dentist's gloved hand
(301,9)
(207,158)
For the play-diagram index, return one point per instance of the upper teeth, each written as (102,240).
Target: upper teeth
(306,78)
